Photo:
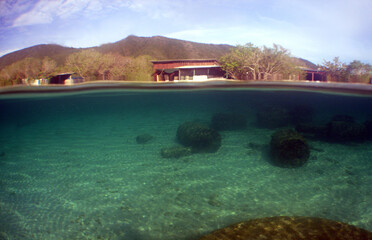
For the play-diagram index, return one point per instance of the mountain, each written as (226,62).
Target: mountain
(161,48)
(304,63)
(55,52)
(158,47)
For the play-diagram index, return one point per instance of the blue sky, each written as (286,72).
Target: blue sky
(311,29)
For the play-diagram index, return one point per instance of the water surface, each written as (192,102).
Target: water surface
(70,166)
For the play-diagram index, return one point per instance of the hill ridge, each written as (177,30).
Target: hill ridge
(158,47)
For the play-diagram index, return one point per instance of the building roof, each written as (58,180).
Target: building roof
(198,66)
(170,70)
(61,74)
(184,60)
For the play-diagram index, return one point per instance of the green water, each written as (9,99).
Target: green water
(70,166)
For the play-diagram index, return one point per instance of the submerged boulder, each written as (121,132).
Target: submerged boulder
(274,117)
(288,148)
(175,152)
(228,121)
(290,228)
(342,128)
(368,126)
(199,137)
(144,138)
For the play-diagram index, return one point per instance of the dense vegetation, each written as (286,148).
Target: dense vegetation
(129,59)
(249,62)
(93,65)
(356,71)
(89,64)
(162,48)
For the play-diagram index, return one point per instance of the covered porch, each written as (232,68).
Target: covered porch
(187,70)
(315,75)
(189,73)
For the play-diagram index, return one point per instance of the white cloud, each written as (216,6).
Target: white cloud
(94,6)
(46,11)
(313,29)
(348,17)
(69,7)
(12,9)
(297,40)
(32,18)
(41,13)
(159,9)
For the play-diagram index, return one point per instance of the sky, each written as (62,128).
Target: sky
(316,30)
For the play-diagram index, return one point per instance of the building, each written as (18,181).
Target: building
(209,69)
(315,75)
(35,82)
(65,78)
(187,70)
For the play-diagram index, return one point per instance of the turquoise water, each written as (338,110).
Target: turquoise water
(70,166)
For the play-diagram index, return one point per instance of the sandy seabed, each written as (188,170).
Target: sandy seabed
(77,173)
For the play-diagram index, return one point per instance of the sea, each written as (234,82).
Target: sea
(71,166)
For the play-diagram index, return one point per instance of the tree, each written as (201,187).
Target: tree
(92,65)
(119,68)
(359,72)
(23,70)
(28,68)
(139,69)
(48,66)
(276,60)
(242,61)
(251,62)
(86,63)
(103,66)
(336,70)
(5,77)
(114,66)
(356,71)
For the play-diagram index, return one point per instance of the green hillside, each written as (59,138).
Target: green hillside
(157,47)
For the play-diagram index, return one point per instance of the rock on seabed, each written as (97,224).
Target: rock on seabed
(290,228)
(199,137)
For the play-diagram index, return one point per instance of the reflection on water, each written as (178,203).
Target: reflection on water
(179,164)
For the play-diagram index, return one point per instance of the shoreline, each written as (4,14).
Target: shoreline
(325,87)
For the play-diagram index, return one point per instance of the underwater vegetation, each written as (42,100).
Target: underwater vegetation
(144,138)
(194,137)
(175,152)
(279,116)
(341,128)
(199,136)
(289,228)
(368,125)
(288,148)
(118,171)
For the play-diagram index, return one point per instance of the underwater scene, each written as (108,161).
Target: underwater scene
(179,164)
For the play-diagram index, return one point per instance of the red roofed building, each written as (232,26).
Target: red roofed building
(187,70)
